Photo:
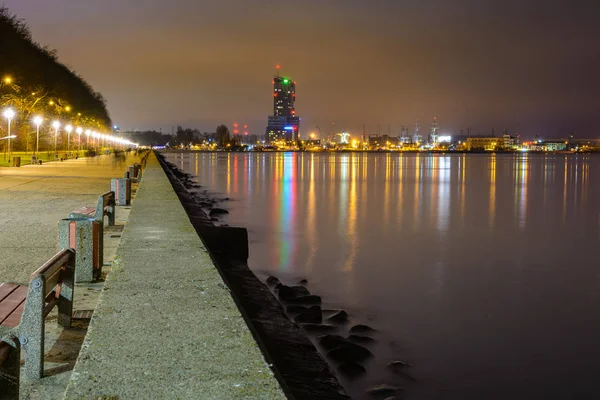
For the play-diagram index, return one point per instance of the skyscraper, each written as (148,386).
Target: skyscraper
(283,124)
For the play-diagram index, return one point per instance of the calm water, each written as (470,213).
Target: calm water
(481,271)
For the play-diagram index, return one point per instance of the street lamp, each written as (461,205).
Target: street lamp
(69,129)
(37,120)
(55,125)
(9,114)
(79,131)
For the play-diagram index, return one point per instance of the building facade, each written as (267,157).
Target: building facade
(284,124)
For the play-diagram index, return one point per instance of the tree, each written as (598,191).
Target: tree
(223,135)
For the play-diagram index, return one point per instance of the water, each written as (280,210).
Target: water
(482,271)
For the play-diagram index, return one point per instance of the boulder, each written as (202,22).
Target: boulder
(383,390)
(349,353)
(302,282)
(287,293)
(360,339)
(272,281)
(310,300)
(361,329)
(311,315)
(217,211)
(340,316)
(330,342)
(351,370)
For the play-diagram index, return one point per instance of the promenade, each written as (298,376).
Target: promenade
(165,325)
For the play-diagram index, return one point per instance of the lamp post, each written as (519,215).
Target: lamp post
(79,132)
(55,125)
(9,114)
(37,120)
(69,129)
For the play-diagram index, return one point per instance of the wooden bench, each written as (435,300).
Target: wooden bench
(10,367)
(23,310)
(105,206)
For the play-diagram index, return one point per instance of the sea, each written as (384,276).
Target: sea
(479,271)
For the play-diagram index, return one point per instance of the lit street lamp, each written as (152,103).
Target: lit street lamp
(79,131)
(55,125)
(87,141)
(9,114)
(37,120)
(69,129)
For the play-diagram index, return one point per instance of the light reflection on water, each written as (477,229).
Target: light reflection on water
(482,271)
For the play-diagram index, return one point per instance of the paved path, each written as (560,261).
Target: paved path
(34,198)
(166,326)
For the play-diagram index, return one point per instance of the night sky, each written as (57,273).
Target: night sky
(529,66)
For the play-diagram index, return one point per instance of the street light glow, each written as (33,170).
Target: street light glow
(56,124)
(79,130)
(38,120)
(69,128)
(9,113)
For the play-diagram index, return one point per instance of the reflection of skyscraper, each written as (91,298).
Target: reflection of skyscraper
(283,124)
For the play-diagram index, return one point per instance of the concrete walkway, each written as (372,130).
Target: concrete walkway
(166,327)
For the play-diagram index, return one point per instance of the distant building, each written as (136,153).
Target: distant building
(284,124)
(489,143)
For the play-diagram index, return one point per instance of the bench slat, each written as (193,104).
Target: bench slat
(6,289)
(54,264)
(52,280)
(12,302)
(14,319)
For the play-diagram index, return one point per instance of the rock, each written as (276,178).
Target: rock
(383,390)
(311,315)
(351,370)
(330,342)
(217,211)
(398,365)
(349,353)
(310,300)
(302,282)
(293,309)
(318,328)
(340,316)
(361,339)
(214,219)
(361,329)
(287,293)
(278,286)
(272,281)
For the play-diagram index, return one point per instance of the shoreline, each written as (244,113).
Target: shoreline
(297,364)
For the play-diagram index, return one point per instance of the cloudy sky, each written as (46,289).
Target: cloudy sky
(528,66)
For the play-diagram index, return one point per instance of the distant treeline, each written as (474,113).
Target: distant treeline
(35,82)
(183,136)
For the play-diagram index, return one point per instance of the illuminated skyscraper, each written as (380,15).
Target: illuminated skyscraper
(283,124)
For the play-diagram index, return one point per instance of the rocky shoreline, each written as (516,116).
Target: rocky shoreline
(309,346)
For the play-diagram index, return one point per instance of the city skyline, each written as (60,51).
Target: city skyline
(513,66)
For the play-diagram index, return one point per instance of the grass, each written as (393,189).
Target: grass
(45,156)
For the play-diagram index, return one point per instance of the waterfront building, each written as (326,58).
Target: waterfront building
(284,124)
(482,142)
